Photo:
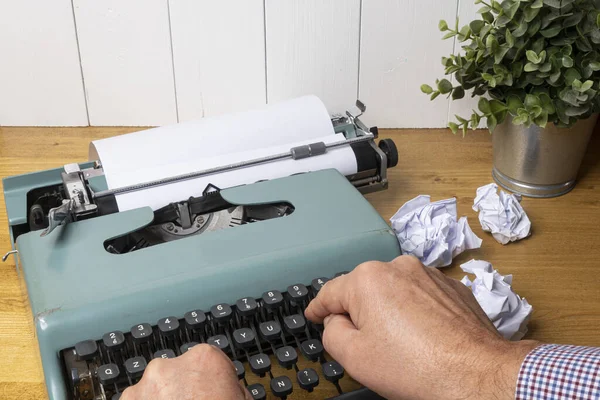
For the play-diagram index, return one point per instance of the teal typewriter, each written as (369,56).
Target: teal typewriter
(113,284)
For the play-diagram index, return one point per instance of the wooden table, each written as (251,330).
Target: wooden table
(556,269)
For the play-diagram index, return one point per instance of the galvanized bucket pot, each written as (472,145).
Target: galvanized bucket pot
(538,162)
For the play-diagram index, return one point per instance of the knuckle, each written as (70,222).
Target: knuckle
(155,368)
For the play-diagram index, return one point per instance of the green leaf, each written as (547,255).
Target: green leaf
(567,61)
(529,67)
(510,39)
(520,120)
(595,65)
(490,79)
(547,104)
(484,106)
(453,127)
(458,93)
(537,4)
(449,35)
(444,86)
(497,106)
(551,31)
(435,95)
(476,26)
(532,57)
(483,10)
(426,89)
(530,13)
(492,122)
(514,103)
(587,85)
(532,100)
(541,120)
(521,29)
(500,53)
(443,26)
(598,21)
(571,75)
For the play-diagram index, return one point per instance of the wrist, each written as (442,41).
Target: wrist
(499,382)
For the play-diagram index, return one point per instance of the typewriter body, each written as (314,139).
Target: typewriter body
(102,282)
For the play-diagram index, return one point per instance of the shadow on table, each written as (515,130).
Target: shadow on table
(590,160)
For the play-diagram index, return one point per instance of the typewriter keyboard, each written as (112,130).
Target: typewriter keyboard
(278,354)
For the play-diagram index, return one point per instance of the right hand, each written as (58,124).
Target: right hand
(407,331)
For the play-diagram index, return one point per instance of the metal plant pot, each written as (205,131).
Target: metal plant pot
(538,162)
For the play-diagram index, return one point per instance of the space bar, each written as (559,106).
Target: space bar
(360,394)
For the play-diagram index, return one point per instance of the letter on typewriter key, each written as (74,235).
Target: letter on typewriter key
(219,341)
(257,391)
(317,284)
(221,313)
(246,307)
(168,326)
(108,374)
(243,338)
(167,353)
(113,340)
(186,347)
(294,324)
(86,350)
(260,364)
(195,319)
(272,299)
(281,386)
(333,371)
(286,356)
(239,369)
(135,367)
(297,293)
(312,349)
(141,333)
(308,379)
(270,330)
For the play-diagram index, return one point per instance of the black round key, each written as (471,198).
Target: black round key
(167,353)
(141,333)
(308,379)
(219,341)
(257,391)
(195,319)
(312,349)
(260,364)
(135,367)
(270,330)
(286,356)
(184,348)
(333,371)
(246,306)
(239,369)
(86,350)
(294,324)
(168,327)
(114,340)
(281,386)
(317,284)
(243,338)
(297,293)
(272,299)
(221,313)
(108,374)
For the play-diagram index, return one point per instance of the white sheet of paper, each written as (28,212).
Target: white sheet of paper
(431,232)
(197,145)
(507,310)
(501,214)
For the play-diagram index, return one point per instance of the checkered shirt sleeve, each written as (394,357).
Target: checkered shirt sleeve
(560,372)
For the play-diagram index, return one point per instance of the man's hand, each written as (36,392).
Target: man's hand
(407,331)
(204,372)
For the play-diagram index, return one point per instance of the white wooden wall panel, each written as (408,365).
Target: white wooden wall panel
(127,62)
(40,77)
(467,12)
(219,56)
(312,48)
(401,48)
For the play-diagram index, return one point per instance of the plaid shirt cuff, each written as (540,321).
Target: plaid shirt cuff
(560,372)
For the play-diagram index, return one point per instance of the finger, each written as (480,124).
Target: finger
(339,339)
(129,393)
(332,299)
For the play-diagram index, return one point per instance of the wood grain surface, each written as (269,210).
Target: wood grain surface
(556,269)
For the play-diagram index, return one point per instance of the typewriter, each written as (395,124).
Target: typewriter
(110,289)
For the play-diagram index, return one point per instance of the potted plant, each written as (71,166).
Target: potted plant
(534,64)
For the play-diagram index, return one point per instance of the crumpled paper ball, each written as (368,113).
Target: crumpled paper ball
(508,312)
(501,214)
(431,232)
